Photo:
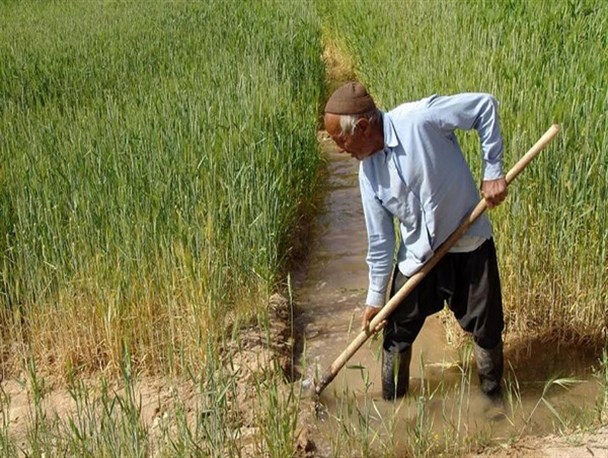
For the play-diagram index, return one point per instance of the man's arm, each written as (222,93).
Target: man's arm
(381,250)
(480,112)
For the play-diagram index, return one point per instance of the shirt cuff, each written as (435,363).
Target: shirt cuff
(374,299)
(493,171)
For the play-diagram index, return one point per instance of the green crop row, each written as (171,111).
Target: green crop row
(155,159)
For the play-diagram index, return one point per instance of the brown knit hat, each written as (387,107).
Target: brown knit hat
(350,99)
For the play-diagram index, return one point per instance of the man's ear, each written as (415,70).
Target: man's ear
(362,124)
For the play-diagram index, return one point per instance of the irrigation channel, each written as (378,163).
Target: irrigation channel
(444,401)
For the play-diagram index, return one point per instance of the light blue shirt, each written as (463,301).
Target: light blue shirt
(422,179)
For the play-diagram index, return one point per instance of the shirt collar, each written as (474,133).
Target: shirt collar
(390,138)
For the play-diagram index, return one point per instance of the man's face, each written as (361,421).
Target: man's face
(359,144)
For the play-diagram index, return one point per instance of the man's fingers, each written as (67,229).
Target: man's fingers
(368,314)
(494,200)
(380,326)
(494,191)
(365,326)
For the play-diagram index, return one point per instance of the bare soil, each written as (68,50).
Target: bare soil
(573,445)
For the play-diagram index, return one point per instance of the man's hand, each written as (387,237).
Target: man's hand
(494,191)
(368,315)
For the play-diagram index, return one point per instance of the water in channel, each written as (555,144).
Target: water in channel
(444,402)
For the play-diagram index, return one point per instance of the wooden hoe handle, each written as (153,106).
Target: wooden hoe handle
(415,279)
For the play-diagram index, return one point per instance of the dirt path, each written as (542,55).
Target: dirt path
(574,445)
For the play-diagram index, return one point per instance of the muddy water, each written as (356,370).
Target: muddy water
(444,394)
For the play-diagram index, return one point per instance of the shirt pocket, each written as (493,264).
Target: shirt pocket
(397,197)
(401,202)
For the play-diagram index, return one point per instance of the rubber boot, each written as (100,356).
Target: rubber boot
(395,373)
(489,369)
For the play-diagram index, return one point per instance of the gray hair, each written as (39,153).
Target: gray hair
(348,122)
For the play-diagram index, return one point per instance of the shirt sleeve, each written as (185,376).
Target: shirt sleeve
(381,244)
(473,111)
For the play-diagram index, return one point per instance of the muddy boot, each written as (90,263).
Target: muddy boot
(489,369)
(395,373)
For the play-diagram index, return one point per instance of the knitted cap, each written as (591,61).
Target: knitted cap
(350,99)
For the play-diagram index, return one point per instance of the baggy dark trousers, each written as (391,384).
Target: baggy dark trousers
(470,285)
